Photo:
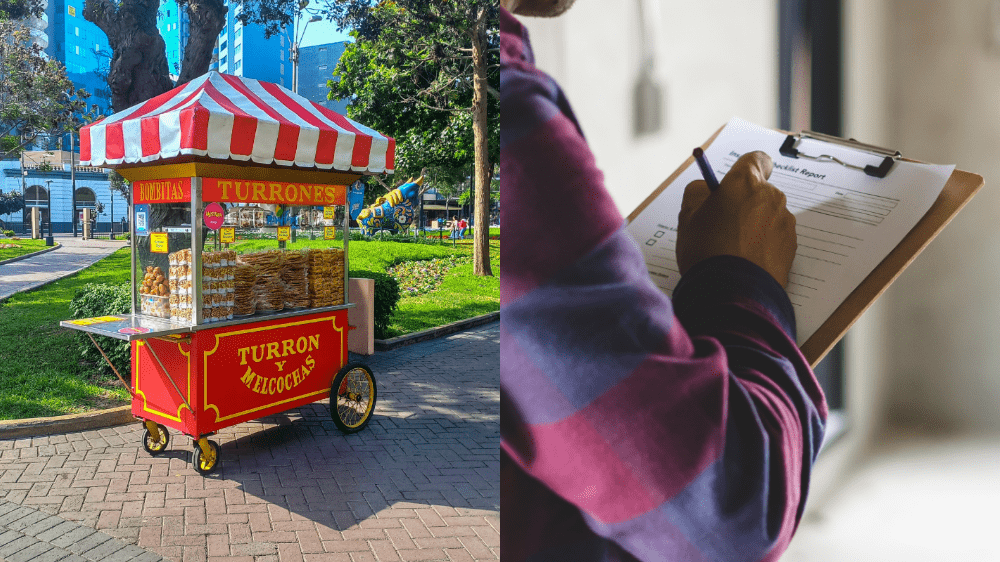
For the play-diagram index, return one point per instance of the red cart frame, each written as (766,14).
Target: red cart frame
(228,139)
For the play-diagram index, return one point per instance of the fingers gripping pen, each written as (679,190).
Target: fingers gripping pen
(706,169)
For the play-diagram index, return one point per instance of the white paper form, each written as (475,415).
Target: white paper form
(847,221)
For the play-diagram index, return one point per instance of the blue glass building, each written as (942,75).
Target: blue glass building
(172,22)
(82,47)
(316,64)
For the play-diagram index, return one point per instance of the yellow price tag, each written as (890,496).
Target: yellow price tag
(158,243)
(328,212)
(284,233)
(98,320)
(227,234)
(329,233)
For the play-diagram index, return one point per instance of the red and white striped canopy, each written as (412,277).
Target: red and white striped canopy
(223,116)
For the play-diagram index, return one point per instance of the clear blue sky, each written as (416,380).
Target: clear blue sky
(320,32)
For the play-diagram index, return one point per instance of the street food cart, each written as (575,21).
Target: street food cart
(219,337)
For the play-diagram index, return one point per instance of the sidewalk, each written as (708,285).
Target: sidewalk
(421,482)
(74,255)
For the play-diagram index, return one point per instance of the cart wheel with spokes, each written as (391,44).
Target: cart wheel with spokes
(155,445)
(205,462)
(352,397)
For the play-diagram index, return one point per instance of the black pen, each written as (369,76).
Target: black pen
(706,169)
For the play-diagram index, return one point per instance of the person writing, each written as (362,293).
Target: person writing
(634,427)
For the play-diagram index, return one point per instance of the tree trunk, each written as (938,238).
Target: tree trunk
(139,62)
(481,234)
(207,18)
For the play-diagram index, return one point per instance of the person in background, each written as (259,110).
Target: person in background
(463,225)
(633,426)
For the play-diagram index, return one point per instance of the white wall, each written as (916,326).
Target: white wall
(943,321)
(718,59)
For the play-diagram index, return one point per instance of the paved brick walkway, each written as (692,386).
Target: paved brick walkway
(421,482)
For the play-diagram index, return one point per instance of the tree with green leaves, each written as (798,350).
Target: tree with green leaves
(20,9)
(420,71)
(36,97)
(11,202)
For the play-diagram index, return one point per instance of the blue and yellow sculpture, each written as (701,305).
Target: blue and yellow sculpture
(393,211)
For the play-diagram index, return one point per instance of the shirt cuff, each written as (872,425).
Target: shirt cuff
(722,279)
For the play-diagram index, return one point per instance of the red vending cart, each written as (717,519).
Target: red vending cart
(221,336)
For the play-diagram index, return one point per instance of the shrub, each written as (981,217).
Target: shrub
(386,300)
(385,236)
(102,299)
(8,233)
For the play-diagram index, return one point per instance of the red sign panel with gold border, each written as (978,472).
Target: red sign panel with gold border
(251,371)
(238,373)
(155,397)
(171,190)
(252,191)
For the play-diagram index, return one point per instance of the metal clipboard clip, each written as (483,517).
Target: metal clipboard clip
(889,157)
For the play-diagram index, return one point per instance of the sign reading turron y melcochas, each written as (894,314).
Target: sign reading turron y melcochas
(250,369)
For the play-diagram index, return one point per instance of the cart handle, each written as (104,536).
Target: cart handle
(127,387)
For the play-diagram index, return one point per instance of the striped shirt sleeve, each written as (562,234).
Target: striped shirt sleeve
(633,427)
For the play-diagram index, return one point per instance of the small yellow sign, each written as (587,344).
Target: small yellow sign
(329,233)
(329,212)
(227,234)
(98,320)
(158,242)
(72,11)
(284,233)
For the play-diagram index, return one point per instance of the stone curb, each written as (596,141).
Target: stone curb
(37,427)
(56,246)
(393,343)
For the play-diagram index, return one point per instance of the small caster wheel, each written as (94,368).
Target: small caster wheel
(205,462)
(352,397)
(155,444)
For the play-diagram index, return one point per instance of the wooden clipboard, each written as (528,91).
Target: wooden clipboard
(957,191)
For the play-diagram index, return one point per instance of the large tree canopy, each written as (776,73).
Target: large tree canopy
(419,71)
(138,69)
(36,97)
(19,9)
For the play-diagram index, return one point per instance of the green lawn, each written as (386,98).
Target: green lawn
(461,295)
(27,246)
(369,256)
(41,374)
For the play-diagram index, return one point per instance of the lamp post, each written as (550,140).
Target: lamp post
(48,205)
(72,179)
(24,182)
(295,43)
(296,39)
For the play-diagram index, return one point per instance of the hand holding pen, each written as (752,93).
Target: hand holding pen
(743,216)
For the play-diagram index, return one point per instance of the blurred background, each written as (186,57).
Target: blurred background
(910,469)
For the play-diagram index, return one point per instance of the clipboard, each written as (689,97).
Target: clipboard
(957,192)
